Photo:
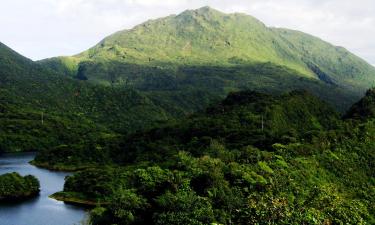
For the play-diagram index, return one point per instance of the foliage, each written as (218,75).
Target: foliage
(15,187)
(242,119)
(40,109)
(252,158)
(133,81)
(363,109)
(214,167)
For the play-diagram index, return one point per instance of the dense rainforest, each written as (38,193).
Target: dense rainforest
(198,118)
(253,158)
(13,186)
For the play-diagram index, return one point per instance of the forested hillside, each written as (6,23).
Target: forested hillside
(198,118)
(253,158)
(163,70)
(41,109)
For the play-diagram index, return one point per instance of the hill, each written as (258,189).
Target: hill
(133,81)
(207,49)
(266,119)
(72,110)
(130,116)
(253,158)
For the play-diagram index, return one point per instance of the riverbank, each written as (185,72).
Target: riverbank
(40,209)
(60,167)
(76,199)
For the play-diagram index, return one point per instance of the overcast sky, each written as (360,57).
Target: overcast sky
(45,28)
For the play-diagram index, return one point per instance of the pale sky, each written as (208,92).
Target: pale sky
(45,28)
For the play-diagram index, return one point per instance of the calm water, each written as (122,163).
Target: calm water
(40,210)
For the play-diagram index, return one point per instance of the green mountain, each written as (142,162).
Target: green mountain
(162,70)
(251,159)
(219,53)
(130,114)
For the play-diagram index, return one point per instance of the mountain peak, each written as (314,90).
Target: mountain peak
(203,11)
(206,9)
(208,37)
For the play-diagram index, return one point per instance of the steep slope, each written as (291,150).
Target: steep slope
(158,53)
(198,37)
(41,109)
(11,60)
(332,64)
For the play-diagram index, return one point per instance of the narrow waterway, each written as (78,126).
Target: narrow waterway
(40,210)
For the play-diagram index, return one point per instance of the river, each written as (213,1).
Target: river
(40,210)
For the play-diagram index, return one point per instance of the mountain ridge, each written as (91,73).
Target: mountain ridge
(206,36)
(100,87)
(130,117)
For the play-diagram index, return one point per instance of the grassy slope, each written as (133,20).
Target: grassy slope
(200,37)
(341,66)
(157,51)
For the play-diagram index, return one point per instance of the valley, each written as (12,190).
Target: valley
(197,118)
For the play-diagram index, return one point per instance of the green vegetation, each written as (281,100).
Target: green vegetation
(33,130)
(40,109)
(161,71)
(251,159)
(225,52)
(27,86)
(288,117)
(131,115)
(208,37)
(365,108)
(15,187)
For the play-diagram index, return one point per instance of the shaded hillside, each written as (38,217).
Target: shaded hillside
(242,119)
(71,108)
(264,118)
(253,158)
(22,129)
(363,109)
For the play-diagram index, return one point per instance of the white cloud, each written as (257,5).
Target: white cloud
(46,28)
